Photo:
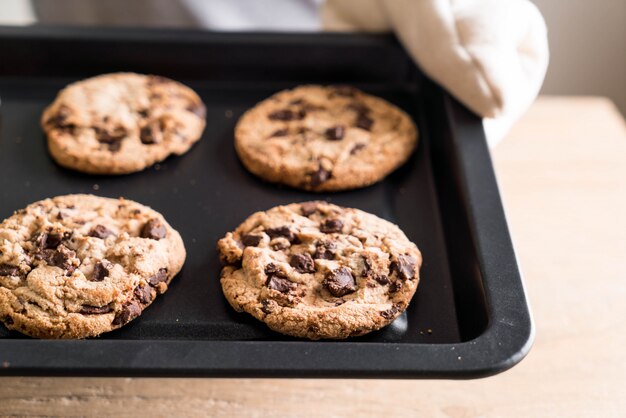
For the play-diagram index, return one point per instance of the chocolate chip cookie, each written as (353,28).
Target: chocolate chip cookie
(76,266)
(122,123)
(324,138)
(317,270)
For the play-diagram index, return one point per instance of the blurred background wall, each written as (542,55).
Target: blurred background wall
(587,37)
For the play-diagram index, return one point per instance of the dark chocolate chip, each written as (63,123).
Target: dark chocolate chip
(94,310)
(159,277)
(282,284)
(197,109)
(48,241)
(320,176)
(324,250)
(251,240)
(357,148)
(130,311)
(100,231)
(303,263)
(109,137)
(395,286)
(143,293)
(359,107)
(335,133)
(281,231)
(381,279)
(308,208)
(100,271)
(331,225)
(364,122)
(61,258)
(346,91)
(153,229)
(266,306)
(152,133)
(7,320)
(59,120)
(404,267)
(115,146)
(340,282)
(143,113)
(271,268)
(390,313)
(287,115)
(9,270)
(280,132)
(367,268)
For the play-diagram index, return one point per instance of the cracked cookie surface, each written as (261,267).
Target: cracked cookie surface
(324,138)
(76,266)
(121,123)
(317,270)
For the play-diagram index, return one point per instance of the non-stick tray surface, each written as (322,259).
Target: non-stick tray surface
(469,316)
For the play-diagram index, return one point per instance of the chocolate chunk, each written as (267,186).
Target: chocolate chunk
(143,293)
(280,132)
(60,258)
(197,109)
(390,313)
(251,240)
(340,282)
(331,225)
(335,133)
(324,250)
(308,208)
(346,91)
(357,148)
(359,107)
(364,122)
(282,284)
(152,133)
(130,311)
(109,137)
(287,115)
(404,267)
(281,231)
(271,268)
(9,270)
(94,310)
(153,229)
(7,320)
(381,279)
(367,267)
(59,120)
(159,277)
(100,231)
(49,240)
(100,271)
(266,306)
(303,263)
(320,176)
(395,286)
(143,113)
(115,146)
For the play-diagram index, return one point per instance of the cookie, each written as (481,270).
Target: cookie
(316,270)
(122,123)
(77,266)
(324,138)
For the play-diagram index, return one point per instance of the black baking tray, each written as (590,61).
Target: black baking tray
(469,317)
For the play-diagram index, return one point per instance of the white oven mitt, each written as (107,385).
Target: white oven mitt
(492,55)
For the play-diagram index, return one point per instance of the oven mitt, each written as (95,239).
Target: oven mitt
(491,55)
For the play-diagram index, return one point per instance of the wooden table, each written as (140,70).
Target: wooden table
(562,172)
